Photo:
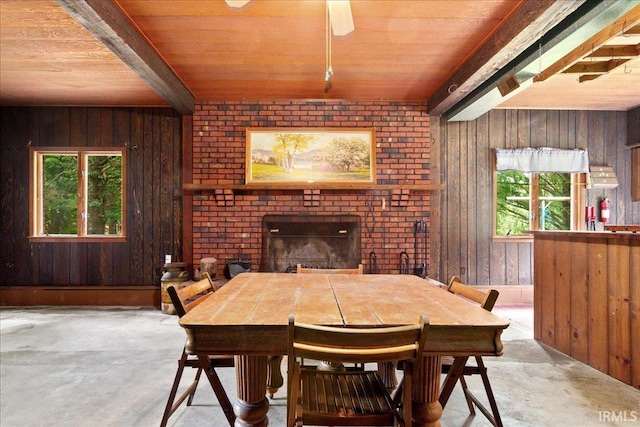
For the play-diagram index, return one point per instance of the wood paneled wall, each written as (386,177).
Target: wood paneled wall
(587,299)
(633,142)
(467,247)
(154,196)
(633,127)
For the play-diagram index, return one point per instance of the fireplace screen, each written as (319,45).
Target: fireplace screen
(315,241)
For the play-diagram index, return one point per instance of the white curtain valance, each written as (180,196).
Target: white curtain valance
(542,160)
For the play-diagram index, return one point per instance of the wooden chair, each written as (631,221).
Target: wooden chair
(317,397)
(456,367)
(184,299)
(306,270)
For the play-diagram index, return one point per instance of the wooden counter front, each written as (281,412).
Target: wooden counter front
(587,298)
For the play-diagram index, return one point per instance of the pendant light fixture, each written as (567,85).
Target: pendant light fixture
(338,20)
(327,59)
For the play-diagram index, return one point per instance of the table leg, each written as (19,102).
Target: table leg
(426,389)
(387,372)
(252,405)
(274,374)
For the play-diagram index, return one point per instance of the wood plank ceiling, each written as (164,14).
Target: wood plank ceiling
(172,52)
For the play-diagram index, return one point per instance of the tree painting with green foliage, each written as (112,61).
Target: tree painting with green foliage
(514,202)
(345,154)
(287,146)
(333,156)
(60,194)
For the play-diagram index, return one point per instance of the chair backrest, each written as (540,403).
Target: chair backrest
(186,297)
(305,270)
(486,299)
(356,344)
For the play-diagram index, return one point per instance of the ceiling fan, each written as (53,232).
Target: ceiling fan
(339,14)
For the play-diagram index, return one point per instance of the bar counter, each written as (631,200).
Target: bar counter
(587,298)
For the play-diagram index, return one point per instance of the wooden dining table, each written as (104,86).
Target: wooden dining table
(248,318)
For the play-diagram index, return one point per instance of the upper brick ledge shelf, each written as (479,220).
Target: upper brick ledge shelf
(312,186)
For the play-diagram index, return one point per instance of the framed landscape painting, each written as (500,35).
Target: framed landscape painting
(303,155)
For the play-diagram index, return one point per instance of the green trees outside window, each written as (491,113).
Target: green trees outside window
(104,195)
(512,211)
(60,194)
(77,193)
(532,201)
(554,201)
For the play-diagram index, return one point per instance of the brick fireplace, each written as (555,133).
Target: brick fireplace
(228,222)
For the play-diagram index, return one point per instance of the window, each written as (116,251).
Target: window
(539,189)
(532,201)
(77,193)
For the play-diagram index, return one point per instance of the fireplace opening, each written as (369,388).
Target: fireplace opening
(317,241)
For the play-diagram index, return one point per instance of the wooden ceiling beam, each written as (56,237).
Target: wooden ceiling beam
(581,25)
(593,43)
(595,67)
(633,31)
(530,22)
(588,77)
(616,52)
(107,22)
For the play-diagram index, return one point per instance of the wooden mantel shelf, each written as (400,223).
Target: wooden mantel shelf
(312,186)
(225,194)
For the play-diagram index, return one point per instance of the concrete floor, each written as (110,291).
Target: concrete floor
(114,367)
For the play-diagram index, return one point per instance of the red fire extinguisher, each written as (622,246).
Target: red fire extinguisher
(604,210)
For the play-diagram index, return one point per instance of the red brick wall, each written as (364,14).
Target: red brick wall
(222,228)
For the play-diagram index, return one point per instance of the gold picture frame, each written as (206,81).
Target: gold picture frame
(310,155)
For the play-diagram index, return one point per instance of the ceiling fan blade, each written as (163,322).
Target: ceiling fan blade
(340,16)
(237,4)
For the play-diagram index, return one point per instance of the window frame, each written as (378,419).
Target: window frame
(36,209)
(577,201)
